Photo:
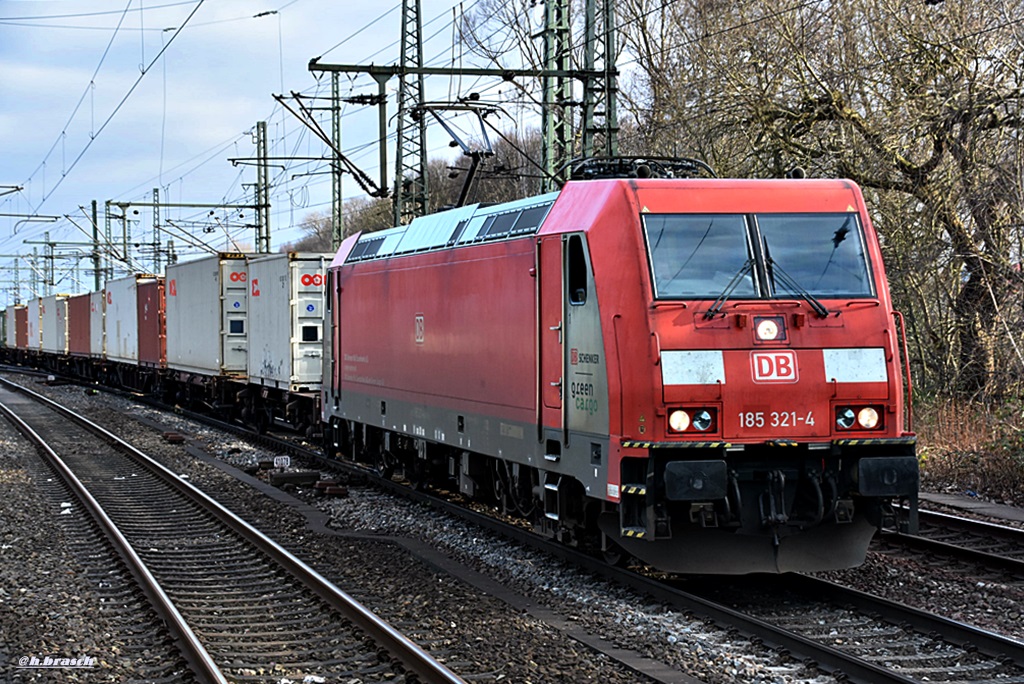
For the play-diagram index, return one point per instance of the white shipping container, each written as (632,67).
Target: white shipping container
(12,328)
(97,331)
(207,304)
(34,327)
(122,319)
(54,311)
(286,309)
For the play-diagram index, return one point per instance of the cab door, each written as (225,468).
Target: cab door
(550,336)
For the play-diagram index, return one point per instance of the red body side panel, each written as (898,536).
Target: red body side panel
(152,324)
(79,325)
(459,328)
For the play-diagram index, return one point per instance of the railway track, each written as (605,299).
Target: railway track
(863,636)
(240,607)
(852,635)
(855,636)
(981,543)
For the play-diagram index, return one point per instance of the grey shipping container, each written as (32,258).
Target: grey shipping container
(286,309)
(207,304)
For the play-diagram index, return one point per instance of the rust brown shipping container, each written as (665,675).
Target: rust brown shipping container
(152,324)
(21,327)
(79,325)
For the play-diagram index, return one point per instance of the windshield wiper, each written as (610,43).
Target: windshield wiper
(787,280)
(732,285)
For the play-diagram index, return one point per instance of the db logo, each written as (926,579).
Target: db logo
(574,357)
(420,329)
(774,366)
(110,298)
(238,276)
(255,287)
(172,288)
(314,279)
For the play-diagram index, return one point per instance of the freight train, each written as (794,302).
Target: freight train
(704,374)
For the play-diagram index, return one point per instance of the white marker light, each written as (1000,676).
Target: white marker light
(767,330)
(679,421)
(867,418)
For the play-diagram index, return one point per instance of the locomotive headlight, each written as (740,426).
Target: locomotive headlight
(767,330)
(845,418)
(867,418)
(702,420)
(678,421)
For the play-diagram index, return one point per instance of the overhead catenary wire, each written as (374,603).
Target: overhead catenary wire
(480,85)
(117,108)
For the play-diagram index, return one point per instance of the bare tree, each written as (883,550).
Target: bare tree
(317,228)
(920,104)
(366,215)
(360,214)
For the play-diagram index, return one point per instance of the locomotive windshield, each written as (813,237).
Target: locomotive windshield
(698,256)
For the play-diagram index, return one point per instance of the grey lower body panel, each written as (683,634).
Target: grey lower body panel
(584,457)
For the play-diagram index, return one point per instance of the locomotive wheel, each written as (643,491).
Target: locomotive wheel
(383,464)
(261,421)
(615,555)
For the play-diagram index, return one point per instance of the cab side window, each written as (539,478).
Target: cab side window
(576,271)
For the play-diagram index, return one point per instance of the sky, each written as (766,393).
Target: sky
(109,100)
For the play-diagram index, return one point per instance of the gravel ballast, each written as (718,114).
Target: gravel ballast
(439,610)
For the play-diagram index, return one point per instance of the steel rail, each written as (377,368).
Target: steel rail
(409,653)
(828,658)
(192,649)
(987,643)
(977,528)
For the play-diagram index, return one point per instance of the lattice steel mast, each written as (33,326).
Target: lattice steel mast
(410,198)
(600,91)
(556,122)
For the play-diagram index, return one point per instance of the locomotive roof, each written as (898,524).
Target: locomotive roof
(479,223)
(460,226)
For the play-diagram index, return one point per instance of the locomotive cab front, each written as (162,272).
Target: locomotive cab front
(763,415)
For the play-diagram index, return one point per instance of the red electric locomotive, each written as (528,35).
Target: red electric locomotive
(705,373)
